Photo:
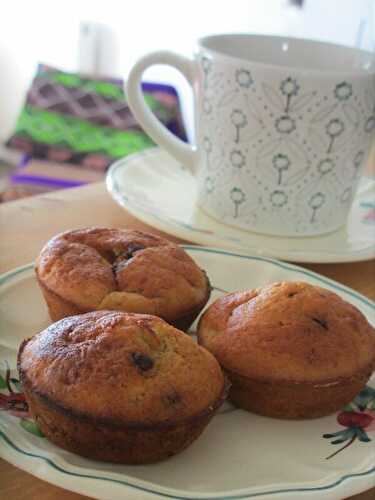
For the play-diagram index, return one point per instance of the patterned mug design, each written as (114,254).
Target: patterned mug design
(292,164)
(280,149)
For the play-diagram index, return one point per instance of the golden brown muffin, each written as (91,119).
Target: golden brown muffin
(97,268)
(290,349)
(119,387)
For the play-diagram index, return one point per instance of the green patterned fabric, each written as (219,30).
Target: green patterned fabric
(80,135)
(68,117)
(105,89)
(109,91)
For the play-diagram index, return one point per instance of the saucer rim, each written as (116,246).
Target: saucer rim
(178,228)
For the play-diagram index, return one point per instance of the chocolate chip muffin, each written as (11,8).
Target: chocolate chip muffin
(119,387)
(100,269)
(290,349)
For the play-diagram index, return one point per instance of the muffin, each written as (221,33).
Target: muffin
(119,387)
(290,349)
(113,269)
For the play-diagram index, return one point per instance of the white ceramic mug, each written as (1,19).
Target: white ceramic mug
(283,129)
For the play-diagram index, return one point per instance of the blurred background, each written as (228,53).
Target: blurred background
(103,39)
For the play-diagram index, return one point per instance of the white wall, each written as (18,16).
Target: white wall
(34,31)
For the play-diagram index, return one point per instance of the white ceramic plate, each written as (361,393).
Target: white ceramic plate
(239,456)
(159,191)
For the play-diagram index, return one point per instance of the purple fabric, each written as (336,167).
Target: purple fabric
(45,181)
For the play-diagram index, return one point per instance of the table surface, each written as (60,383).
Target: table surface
(25,226)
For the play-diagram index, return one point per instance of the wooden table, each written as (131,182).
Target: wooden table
(25,225)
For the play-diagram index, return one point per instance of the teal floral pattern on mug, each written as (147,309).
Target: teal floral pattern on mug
(294,143)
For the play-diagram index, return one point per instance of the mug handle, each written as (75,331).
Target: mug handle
(184,153)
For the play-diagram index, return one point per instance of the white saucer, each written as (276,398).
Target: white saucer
(159,191)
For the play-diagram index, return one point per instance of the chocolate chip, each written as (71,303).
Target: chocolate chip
(131,249)
(292,294)
(321,322)
(122,258)
(142,361)
(108,255)
(173,398)
(118,265)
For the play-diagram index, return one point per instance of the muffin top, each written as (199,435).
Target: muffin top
(121,367)
(99,268)
(288,331)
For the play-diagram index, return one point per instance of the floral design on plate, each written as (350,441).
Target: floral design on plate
(12,400)
(358,418)
(369,217)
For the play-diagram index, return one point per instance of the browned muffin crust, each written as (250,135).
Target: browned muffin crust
(290,340)
(100,269)
(119,387)
(294,400)
(288,331)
